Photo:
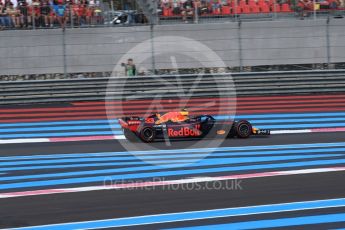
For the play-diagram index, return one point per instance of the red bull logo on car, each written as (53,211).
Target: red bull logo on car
(184,132)
(172,116)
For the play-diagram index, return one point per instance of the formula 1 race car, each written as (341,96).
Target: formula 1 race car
(177,125)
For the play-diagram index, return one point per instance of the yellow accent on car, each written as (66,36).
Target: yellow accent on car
(221,132)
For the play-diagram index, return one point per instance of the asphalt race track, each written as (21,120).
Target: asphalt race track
(323,152)
(65,166)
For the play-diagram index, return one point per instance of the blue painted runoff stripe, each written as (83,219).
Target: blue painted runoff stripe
(182,151)
(106,126)
(273,223)
(132,158)
(249,116)
(39,164)
(123,177)
(105,129)
(254,117)
(260,120)
(198,215)
(172,163)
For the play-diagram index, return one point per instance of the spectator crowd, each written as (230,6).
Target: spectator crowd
(192,8)
(48,13)
(59,13)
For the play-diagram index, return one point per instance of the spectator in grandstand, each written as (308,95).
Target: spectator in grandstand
(2,22)
(333,5)
(5,20)
(25,18)
(216,5)
(8,3)
(187,9)
(97,14)
(78,12)
(14,15)
(60,12)
(197,6)
(35,12)
(47,18)
(205,6)
(200,8)
(89,14)
(176,8)
(130,69)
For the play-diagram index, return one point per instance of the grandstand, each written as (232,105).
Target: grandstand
(32,14)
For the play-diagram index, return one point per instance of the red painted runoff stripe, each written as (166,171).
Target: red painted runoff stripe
(176,105)
(174,100)
(80,117)
(207,107)
(258,98)
(257,101)
(95,108)
(140,111)
(100,109)
(319,130)
(319,109)
(102,115)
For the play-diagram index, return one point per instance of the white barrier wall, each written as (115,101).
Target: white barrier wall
(246,44)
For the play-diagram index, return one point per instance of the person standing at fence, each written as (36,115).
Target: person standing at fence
(78,12)
(130,68)
(47,19)
(5,20)
(60,11)
(25,19)
(2,18)
(14,14)
(35,12)
(89,14)
(187,10)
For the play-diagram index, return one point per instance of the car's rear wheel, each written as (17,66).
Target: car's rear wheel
(243,129)
(147,134)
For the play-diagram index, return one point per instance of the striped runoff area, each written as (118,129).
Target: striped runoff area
(77,172)
(88,120)
(184,218)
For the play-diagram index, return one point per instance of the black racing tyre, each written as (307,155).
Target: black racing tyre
(243,129)
(147,134)
(130,136)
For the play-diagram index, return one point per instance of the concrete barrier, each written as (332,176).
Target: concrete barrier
(237,44)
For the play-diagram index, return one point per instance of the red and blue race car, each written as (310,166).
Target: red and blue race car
(179,125)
